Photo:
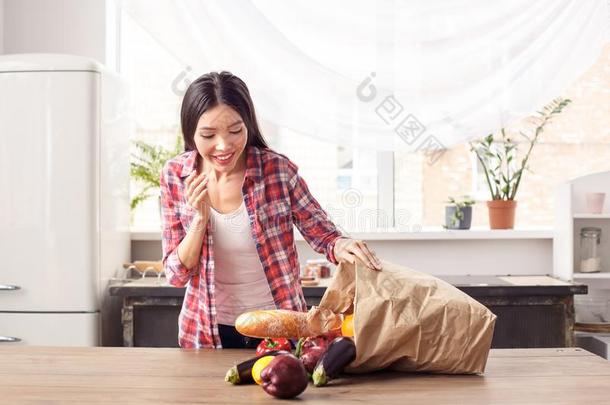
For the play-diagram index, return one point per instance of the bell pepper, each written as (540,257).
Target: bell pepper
(270,345)
(347,327)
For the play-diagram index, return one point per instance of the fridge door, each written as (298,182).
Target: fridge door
(49,215)
(78,329)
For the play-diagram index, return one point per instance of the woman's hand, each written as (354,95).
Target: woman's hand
(197,193)
(352,251)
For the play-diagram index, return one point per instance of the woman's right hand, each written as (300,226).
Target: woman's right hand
(197,193)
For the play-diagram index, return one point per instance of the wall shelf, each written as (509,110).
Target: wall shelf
(600,275)
(570,217)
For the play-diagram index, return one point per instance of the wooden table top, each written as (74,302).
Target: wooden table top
(30,374)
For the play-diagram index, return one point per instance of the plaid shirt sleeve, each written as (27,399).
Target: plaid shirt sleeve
(309,217)
(173,232)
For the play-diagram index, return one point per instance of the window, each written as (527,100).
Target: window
(365,190)
(150,71)
(343,180)
(576,143)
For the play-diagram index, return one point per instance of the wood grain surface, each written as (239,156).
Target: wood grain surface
(104,375)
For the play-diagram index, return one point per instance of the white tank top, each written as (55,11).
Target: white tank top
(241,284)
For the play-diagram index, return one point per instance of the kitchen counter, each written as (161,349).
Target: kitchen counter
(96,375)
(533,311)
(471,285)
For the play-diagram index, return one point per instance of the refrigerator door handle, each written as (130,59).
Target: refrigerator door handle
(8,287)
(9,339)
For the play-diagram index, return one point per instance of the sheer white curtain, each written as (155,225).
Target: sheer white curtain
(386,75)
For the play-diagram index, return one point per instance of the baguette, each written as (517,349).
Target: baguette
(283,323)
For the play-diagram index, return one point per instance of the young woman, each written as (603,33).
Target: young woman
(229,206)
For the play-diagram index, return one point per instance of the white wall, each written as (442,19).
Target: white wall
(56,26)
(483,257)
(1,27)
(461,257)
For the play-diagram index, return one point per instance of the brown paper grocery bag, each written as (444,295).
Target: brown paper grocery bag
(410,321)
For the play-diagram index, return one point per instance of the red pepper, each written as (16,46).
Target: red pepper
(269,345)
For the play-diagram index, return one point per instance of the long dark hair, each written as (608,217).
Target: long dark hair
(210,90)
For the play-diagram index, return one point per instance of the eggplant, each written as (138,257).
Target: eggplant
(242,373)
(340,353)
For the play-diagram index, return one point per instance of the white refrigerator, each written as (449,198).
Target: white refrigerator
(64,197)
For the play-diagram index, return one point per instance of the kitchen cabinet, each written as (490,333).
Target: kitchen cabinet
(573,214)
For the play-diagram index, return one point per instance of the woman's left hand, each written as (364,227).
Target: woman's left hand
(352,251)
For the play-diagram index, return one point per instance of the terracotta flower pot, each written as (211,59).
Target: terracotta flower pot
(501,214)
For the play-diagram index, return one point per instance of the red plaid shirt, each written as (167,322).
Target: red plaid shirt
(276,198)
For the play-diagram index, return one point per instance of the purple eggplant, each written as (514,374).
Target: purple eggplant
(340,353)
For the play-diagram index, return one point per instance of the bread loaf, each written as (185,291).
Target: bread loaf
(282,323)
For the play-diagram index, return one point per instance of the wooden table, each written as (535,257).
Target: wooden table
(120,375)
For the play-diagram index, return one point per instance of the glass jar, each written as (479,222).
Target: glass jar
(319,268)
(590,260)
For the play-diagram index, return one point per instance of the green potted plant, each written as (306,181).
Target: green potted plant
(146,166)
(503,174)
(458,215)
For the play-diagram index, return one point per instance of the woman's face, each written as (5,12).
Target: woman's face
(220,138)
